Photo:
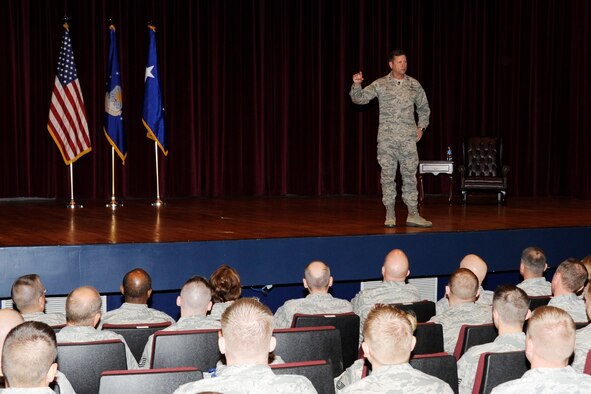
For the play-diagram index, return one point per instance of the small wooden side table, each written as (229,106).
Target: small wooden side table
(435,167)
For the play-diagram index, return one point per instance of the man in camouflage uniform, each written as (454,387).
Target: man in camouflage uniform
(83,312)
(195,302)
(510,309)
(569,278)
(398,133)
(461,291)
(28,296)
(549,343)
(583,341)
(393,289)
(388,342)
(318,281)
(247,329)
(532,266)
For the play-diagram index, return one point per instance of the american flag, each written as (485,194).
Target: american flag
(67,116)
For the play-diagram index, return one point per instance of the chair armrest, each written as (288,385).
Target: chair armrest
(505,170)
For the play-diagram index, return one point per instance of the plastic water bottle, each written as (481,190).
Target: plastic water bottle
(449,154)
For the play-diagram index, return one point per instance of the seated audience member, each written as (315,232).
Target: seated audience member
(136,289)
(28,296)
(586,261)
(583,341)
(195,302)
(549,343)
(462,292)
(393,289)
(246,340)
(510,309)
(83,312)
(475,264)
(532,267)
(29,358)
(225,282)
(318,281)
(388,341)
(569,278)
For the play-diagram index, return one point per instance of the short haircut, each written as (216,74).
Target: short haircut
(395,53)
(317,282)
(534,260)
(247,326)
(136,283)
(388,332)
(80,311)
(196,292)
(586,261)
(225,282)
(463,283)
(573,274)
(29,351)
(511,303)
(552,331)
(26,291)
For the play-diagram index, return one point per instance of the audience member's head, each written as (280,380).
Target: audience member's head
(83,307)
(395,268)
(586,261)
(225,282)
(195,297)
(462,287)
(533,263)
(550,337)
(475,264)
(570,277)
(317,277)
(247,332)
(388,336)
(9,318)
(510,308)
(29,355)
(28,294)
(136,286)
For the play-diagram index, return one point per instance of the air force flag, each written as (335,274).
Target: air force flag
(114,101)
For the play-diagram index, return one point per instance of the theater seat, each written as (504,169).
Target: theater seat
(136,335)
(536,301)
(429,338)
(190,348)
(319,372)
(587,368)
(423,310)
(497,368)
(472,335)
(440,365)
(147,381)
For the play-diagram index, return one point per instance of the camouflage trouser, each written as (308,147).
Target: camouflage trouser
(390,153)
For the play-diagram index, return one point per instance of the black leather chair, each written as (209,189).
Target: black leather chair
(309,344)
(440,365)
(497,368)
(423,310)
(483,168)
(429,338)
(136,335)
(83,362)
(536,301)
(346,323)
(147,381)
(319,372)
(190,348)
(472,335)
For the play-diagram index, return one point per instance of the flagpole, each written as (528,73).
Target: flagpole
(72,204)
(158,202)
(113,204)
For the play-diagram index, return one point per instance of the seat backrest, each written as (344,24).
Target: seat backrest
(423,310)
(83,362)
(309,344)
(472,335)
(136,335)
(346,323)
(147,381)
(190,348)
(536,301)
(319,372)
(482,156)
(440,365)
(429,338)
(587,368)
(497,368)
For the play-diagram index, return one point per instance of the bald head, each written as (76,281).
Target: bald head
(9,318)
(137,286)
(195,298)
(475,264)
(395,268)
(83,307)
(317,277)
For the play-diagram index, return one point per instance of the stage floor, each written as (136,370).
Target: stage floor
(49,222)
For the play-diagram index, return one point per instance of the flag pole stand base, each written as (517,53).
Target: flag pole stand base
(158,203)
(73,205)
(113,204)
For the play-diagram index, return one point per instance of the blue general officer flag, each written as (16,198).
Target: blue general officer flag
(114,101)
(153,115)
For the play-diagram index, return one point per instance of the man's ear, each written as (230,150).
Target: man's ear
(447,290)
(330,280)
(407,273)
(528,314)
(305,282)
(272,344)
(222,343)
(365,348)
(51,373)
(413,343)
(178,301)
(97,319)
(121,290)
(149,293)
(209,306)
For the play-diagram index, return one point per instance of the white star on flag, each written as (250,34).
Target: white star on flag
(148,73)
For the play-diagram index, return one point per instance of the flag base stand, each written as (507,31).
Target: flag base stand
(113,204)
(73,205)
(158,203)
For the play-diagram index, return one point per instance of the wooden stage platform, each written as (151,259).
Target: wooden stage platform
(49,222)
